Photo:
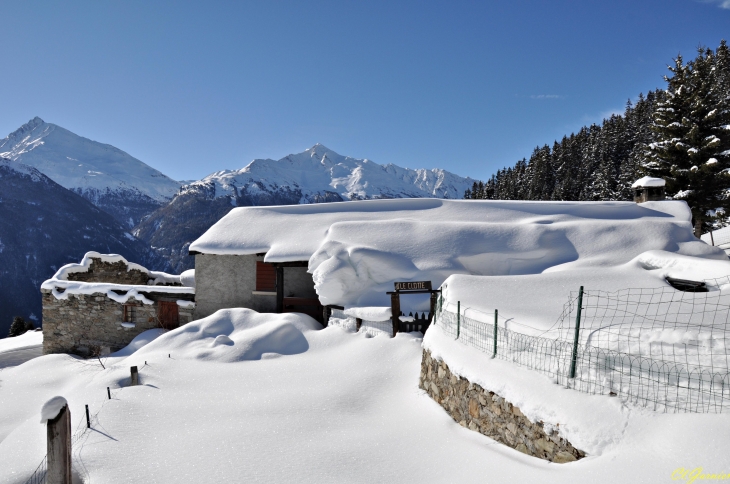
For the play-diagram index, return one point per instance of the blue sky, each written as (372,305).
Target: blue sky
(195,87)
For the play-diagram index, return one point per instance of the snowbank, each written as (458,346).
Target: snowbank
(532,304)
(139,341)
(377,313)
(187,278)
(29,338)
(235,335)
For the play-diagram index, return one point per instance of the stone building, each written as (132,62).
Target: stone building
(100,305)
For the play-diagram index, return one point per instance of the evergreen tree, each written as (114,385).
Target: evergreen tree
(691,125)
(17,327)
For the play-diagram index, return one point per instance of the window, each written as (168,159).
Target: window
(130,313)
(265,277)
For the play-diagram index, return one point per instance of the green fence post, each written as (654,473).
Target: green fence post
(495,334)
(577,333)
(458,318)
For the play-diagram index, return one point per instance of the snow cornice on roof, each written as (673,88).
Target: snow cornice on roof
(296,232)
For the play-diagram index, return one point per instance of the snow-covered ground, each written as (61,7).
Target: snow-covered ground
(19,349)
(25,340)
(245,397)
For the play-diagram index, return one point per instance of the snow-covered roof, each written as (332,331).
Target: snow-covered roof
(296,232)
(648,181)
(357,249)
(61,287)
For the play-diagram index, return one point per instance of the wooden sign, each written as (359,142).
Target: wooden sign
(413,286)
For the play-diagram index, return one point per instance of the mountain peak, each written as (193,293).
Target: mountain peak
(26,128)
(319,148)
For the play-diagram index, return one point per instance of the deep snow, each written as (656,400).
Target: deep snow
(357,250)
(345,408)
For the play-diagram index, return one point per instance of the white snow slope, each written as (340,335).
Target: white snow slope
(83,165)
(319,170)
(245,397)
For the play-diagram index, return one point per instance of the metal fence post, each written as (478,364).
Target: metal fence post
(495,334)
(458,318)
(577,333)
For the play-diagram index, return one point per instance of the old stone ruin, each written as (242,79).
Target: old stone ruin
(101,305)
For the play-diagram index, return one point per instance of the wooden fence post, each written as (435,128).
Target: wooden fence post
(395,311)
(59,448)
(135,375)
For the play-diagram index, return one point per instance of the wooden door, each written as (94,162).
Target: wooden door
(168,315)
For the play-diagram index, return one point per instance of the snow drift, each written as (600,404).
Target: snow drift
(231,335)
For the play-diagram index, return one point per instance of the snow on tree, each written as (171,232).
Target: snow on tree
(692,125)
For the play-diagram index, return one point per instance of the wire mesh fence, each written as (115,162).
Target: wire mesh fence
(718,238)
(659,348)
(41,472)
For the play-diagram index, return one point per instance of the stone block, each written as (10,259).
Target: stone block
(563,457)
(545,445)
(522,448)
(474,408)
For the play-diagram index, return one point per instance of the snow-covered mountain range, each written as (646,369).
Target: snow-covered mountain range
(320,174)
(106,176)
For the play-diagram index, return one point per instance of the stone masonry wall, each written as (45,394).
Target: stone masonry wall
(113,272)
(489,414)
(84,323)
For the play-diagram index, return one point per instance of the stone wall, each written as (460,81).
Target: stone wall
(224,281)
(229,281)
(113,272)
(489,414)
(87,324)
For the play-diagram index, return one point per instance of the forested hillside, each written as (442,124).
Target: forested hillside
(681,134)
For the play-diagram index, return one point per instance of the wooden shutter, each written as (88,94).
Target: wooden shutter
(265,277)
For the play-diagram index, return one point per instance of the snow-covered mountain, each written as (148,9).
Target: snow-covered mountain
(319,174)
(44,226)
(313,176)
(106,176)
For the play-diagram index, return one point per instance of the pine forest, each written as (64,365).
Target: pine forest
(681,134)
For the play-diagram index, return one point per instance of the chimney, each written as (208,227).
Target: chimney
(648,189)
